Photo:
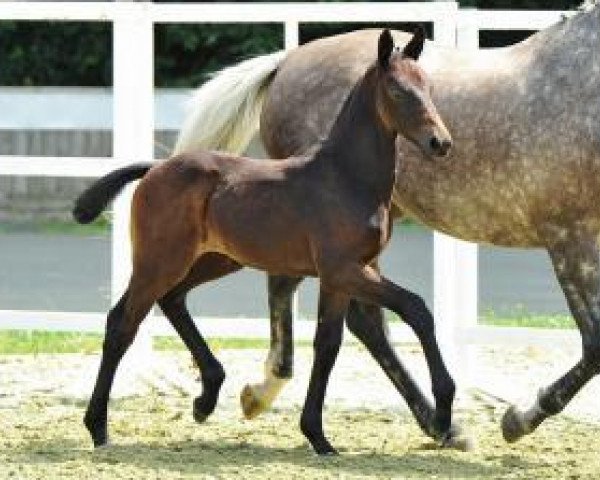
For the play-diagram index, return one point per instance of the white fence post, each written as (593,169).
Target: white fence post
(133,130)
(467,288)
(455,261)
(291,41)
(444,247)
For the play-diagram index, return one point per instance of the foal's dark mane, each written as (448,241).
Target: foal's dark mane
(360,147)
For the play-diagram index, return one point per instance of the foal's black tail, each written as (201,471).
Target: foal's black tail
(93,200)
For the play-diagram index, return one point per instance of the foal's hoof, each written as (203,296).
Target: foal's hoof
(513,425)
(99,434)
(100,442)
(457,439)
(201,410)
(103,446)
(252,404)
(324,449)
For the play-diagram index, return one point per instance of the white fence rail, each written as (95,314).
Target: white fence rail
(455,262)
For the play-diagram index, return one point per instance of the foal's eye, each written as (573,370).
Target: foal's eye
(398,92)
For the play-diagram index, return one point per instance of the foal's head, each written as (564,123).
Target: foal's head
(404,96)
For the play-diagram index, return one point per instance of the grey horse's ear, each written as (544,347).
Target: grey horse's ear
(414,48)
(385,47)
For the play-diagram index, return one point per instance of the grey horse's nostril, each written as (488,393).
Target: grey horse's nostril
(435,144)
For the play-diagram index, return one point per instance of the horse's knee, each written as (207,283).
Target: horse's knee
(416,313)
(365,319)
(328,339)
(171,303)
(121,328)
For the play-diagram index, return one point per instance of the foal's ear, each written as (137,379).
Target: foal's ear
(414,48)
(384,51)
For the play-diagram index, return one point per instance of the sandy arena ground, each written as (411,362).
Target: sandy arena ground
(42,399)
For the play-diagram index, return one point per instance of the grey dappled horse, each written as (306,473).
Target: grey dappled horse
(524,172)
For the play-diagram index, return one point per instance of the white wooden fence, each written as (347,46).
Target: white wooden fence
(455,262)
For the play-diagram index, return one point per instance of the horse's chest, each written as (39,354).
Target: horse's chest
(373,233)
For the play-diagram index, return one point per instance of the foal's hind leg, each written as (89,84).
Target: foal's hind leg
(121,327)
(208,267)
(152,277)
(577,266)
(280,362)
(116,341)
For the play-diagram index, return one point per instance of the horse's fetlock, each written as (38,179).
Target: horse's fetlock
(550,402)
(310,427)
(214,375)
(283,370)
(591,355)
(444,391)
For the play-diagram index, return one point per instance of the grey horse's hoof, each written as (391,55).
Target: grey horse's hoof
(513,425)
(252,406)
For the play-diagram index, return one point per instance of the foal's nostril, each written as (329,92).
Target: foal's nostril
(446,144)
(441,148)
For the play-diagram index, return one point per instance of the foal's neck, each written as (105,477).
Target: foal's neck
(360,148)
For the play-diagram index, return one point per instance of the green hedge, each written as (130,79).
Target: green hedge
(73,53)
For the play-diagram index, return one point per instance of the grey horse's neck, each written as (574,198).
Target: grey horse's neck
(360,147)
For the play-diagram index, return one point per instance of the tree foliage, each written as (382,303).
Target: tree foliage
(185,54)
(73,53)
(55,53)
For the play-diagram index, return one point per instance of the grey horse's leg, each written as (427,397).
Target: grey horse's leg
(575,257)
(279,365)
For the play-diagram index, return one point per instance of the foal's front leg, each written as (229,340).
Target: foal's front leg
(367,323)
(367,285)
(328,337)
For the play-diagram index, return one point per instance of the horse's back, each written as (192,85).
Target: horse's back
(525,134)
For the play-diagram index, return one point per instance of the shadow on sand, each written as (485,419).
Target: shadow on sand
(226,457)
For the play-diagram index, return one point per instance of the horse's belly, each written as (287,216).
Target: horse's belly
(265,238)
(470,220)
(473,207)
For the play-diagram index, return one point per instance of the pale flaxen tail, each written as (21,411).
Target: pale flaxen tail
(224,113)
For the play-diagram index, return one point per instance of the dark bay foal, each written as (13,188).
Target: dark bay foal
(200,216)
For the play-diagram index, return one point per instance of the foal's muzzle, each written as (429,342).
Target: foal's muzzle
(440,147)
